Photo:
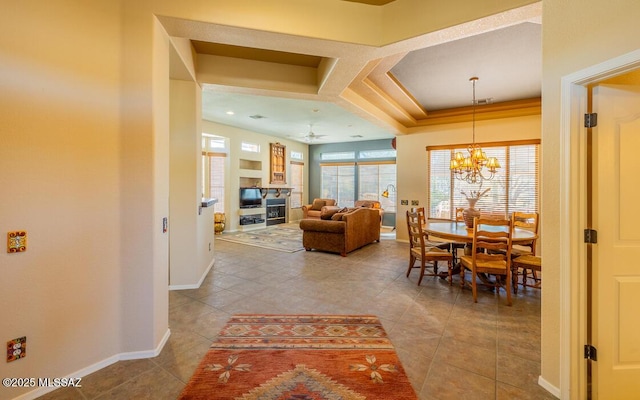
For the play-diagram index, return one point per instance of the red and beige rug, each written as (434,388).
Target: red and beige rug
(300,357)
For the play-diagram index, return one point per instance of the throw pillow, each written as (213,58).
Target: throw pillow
(337,216)
(318,204)
(327,214)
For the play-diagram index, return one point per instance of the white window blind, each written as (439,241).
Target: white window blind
(338,182)
(515,187)
(297,184)
(373,179)
(213,177)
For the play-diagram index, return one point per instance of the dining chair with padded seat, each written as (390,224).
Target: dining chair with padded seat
(420,248)
(490,255)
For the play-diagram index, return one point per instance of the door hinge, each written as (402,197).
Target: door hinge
(590,120)
(590,352)
(590,236)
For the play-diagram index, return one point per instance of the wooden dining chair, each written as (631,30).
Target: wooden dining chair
(528,221)
(487,256)
(524,263)
(455,246)
(420,248)
(423,219)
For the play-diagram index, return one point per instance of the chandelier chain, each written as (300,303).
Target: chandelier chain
(470,168)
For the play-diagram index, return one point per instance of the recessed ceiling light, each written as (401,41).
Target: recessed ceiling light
(230,112)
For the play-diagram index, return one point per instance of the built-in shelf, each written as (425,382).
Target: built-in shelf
(250,164)
(250,181)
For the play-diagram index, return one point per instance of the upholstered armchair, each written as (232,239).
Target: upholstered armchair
(318,207)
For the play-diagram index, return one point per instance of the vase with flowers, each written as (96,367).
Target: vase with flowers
(472,198)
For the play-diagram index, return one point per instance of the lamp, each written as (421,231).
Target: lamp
(470,168)
(385,194)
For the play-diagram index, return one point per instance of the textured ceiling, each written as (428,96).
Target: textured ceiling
(506,61)
(281,84)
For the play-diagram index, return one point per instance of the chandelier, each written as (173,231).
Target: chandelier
(471,168)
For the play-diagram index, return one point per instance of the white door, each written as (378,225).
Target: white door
(616,256)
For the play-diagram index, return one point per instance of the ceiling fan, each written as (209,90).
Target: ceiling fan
(311,136)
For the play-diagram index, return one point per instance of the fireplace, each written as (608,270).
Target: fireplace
(276,211)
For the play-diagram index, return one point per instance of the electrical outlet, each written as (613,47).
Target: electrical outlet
(404,202)
(415,202)
(16,349)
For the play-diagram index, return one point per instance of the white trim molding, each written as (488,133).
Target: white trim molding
(195,285)
(135,355)
(573,192)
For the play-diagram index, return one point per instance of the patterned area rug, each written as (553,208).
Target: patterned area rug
(300,357)
(283,237)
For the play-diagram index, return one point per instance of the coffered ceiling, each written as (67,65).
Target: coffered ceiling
(284,85)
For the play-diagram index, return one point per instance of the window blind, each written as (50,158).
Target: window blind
(213,174)
(338,182)
(515,187)
(297,184)
(373,179)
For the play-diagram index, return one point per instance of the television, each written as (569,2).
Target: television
(250,198)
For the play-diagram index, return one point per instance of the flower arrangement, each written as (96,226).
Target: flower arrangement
(475,194)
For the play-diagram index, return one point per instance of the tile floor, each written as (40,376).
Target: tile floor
(450,347)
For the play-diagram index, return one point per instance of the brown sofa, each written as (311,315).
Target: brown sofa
(343,233)
(319,207)
(371,204)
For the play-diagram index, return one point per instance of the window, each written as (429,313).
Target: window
(250,147)
(296,155)
(214,149)
(368,154)
(297,184)
(373,179)
(516,186)
(213,172)
(338,155)
(338,182)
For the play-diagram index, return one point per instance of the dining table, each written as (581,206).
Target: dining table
(458,231)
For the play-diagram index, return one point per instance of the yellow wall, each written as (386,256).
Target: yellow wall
(236,136)
(61,181)
(191,244)
(84,148)
(576,34)
(412,157)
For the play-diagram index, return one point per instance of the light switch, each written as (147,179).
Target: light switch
(16,242)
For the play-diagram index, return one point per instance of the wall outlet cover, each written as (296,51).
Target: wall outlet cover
(16,242)
(404,202)
(16,349)
(415,202)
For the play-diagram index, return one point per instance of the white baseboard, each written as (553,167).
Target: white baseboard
(99,365)
(548,387)
(195,285)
